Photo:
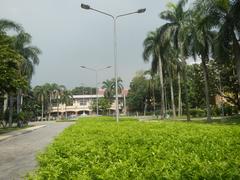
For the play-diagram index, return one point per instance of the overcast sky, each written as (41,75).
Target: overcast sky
(70,37)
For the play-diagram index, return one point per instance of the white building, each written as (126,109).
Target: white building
(81,104)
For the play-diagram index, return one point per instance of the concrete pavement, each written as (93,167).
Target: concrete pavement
(18,152)
(19,132)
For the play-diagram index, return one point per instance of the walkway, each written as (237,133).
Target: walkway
(18,153)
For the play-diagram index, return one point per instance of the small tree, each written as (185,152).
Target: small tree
(103,105)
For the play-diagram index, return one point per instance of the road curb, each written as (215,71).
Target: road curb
(19,132)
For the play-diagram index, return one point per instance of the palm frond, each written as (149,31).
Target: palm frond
(6,25)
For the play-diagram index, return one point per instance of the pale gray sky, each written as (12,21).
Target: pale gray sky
(70,37)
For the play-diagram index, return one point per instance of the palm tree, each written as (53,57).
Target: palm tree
(109,86)
(49,96)
(6,25)
(152,84)
(171,57)
(59,91)
(30,55)
(53,95)
(66,98)
(119,83)
(40,92)
(225,16)
(176,18)
(198,41)
(179,69)
(152,50)
(109,91)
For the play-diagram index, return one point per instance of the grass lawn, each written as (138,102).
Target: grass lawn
(102,149)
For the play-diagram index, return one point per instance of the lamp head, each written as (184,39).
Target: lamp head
(108,66)
(141,10)
(83,66)
(85,6)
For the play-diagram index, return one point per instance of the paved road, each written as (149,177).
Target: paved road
(17,154)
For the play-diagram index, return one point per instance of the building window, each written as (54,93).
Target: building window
(83,102)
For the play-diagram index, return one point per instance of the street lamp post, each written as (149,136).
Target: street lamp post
(87,7)
(96,73)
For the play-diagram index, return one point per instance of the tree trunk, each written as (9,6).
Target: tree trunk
(154,101)
(145,107)
(238,76)
(238,70)
(163,111)
(186,91)
(3,107)
(206,80)
(237,59)
(5,103)
(172,98)
(57,108)
(166,102)
(179,96)
(65,111)
(50,107)
(124,103)
(11,101)
(19,101)
(42,108)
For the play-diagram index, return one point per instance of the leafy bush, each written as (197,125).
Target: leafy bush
(229,110)
(216,111)
(102,149)
(197,112)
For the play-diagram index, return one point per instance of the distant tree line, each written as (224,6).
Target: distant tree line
(42,98)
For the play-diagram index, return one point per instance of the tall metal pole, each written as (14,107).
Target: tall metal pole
(115,69)
(97,89)
(87,7)
(96,73)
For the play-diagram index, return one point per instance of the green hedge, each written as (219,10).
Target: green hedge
(102,149)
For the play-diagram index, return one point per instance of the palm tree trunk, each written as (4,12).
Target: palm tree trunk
(5,103)
(42,108)
(238,75)
(154,101)
(124,103)
(50,107)
(18,101)
(163,111)
(166,100)
(65,111)
(186,91)
(10,111)
(237,58)
(179,95)
(206,80)
(57,108)
(172,98)
(145,107)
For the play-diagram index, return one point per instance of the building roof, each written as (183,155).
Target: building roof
(100,94)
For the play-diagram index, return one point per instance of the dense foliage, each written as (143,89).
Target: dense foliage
(18,59)
(204,30)
(103,105)
(101,149)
